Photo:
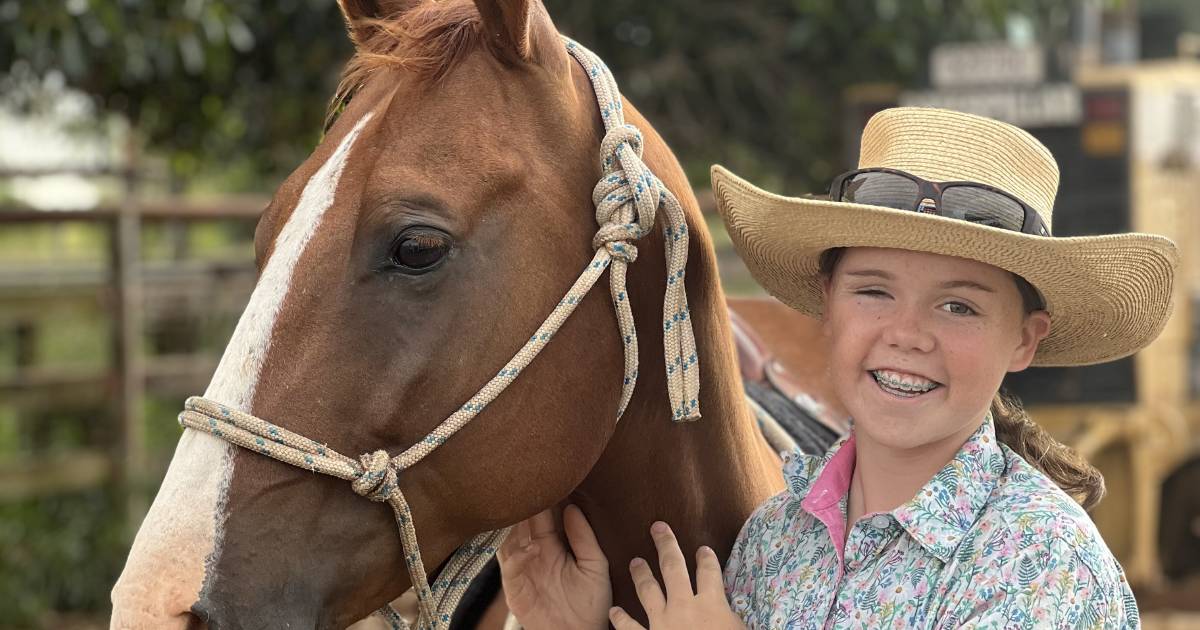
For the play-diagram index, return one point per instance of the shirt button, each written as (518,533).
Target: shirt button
(880,521)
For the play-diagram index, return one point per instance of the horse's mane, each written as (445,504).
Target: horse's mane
(427,40)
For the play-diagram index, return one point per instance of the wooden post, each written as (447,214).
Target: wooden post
(25,337)
(26,341)
(130,363)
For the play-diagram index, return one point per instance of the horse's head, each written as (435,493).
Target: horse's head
(441,219)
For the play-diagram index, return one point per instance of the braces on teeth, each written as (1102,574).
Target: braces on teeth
(901,386)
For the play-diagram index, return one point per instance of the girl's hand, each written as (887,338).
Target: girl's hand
(680,608)
(547,587)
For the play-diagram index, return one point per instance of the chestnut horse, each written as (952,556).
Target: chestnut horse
(443,216)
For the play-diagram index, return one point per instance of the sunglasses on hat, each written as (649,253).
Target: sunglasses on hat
(966,201)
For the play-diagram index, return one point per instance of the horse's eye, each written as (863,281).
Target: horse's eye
(420,250)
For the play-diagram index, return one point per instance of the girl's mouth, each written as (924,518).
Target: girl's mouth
(903,385)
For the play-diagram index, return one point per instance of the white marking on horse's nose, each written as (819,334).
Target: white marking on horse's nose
(181,535)
(165,569)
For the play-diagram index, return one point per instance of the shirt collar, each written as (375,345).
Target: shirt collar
(943,510)
(946,507)
(801,470)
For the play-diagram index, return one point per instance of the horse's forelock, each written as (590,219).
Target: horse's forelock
(428,41)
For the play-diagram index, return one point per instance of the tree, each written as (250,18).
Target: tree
(756,85)
(208,82)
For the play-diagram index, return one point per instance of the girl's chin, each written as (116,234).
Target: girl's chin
(900,439)
(901,432)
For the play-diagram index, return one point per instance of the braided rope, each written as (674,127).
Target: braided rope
(627,198)
(374,476)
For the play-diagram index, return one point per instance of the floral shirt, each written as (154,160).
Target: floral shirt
(988,542)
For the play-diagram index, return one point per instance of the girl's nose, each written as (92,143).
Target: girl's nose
(906,331)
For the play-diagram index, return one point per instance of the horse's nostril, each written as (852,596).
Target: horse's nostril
(195,623)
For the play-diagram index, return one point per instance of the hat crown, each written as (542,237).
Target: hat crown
(942,146)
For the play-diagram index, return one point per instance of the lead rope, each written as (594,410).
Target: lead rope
(627,198)
(629,192)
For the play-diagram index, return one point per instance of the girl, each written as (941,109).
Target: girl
(934,271)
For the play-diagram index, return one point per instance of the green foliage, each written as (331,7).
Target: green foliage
(58,553)
(242,86)
(759,86)
(210,82)
(61,553)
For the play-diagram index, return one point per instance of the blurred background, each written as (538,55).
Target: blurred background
(139,140)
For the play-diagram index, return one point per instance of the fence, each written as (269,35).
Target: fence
(147,302)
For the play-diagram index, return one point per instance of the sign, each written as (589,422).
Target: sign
(957,65)
(1047,105)
(1167,118)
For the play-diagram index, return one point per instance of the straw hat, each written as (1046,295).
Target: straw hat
(1108,296)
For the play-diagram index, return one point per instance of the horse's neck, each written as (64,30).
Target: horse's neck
(703,478)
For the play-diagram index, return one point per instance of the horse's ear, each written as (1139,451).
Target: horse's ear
(360,13)
(508,25)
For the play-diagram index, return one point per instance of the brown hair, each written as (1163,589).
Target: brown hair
(1014,428)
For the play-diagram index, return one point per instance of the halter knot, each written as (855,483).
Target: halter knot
(622,134)
(627,196)
(616,239)
(378,479)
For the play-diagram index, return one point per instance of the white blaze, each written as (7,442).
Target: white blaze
(182,531)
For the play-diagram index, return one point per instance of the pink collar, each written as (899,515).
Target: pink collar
(824,499)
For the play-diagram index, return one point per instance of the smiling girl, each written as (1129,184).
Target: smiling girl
(934,271)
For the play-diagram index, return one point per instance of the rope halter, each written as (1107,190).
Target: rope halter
(378,479)
(627,199)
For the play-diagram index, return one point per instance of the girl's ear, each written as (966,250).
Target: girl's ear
(1034,329)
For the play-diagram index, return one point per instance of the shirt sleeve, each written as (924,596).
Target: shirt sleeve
(1053,586)
(745,562)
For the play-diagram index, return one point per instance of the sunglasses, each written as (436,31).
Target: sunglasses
(966,201)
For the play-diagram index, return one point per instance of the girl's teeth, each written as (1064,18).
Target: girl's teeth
(903,385)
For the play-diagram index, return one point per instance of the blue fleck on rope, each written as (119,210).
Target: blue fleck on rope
(627,198)
(374,476)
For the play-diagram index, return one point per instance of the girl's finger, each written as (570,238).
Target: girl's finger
(622,621)
(517,575)
(708,573)
(670,562)
(583,540)
(515,561)
(518,538)
(541,525)
(646,586)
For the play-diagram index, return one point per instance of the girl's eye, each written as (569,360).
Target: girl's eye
(871,292)
(958,308)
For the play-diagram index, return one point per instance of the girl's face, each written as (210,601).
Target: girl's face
(920,342)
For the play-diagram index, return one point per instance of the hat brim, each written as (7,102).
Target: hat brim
(1108,296)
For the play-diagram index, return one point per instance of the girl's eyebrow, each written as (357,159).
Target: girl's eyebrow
(967,284)
(951,284)
(871,273)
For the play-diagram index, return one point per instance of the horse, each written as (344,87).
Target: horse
(443,215)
